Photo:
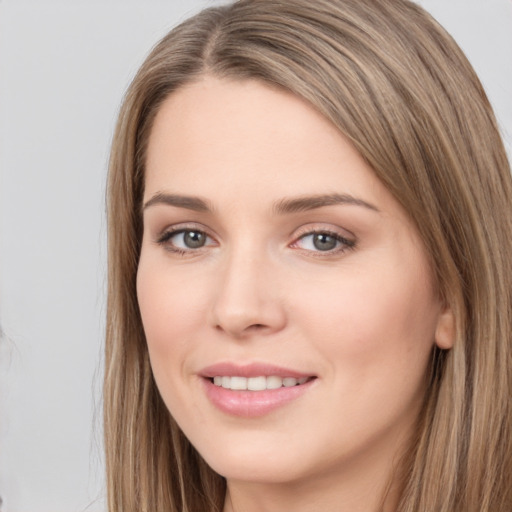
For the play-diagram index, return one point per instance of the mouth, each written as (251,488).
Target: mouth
(260,383)
(253,390)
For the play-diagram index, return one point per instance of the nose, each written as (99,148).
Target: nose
(248,299)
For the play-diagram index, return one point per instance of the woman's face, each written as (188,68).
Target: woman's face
(287,300)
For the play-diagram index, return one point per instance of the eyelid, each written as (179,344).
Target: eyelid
(318,227)
(346,240)
(164,236)
(344,237)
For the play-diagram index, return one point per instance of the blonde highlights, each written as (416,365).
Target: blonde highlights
(393,82)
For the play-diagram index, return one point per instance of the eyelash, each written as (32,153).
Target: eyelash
(165,238)
(343,244)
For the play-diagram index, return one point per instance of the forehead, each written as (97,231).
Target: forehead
(230,137)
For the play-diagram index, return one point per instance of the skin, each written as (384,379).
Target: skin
(361,317)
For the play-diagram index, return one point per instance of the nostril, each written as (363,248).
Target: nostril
(256,327)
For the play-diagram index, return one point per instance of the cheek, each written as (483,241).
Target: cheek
(168,300)
(172,310)
(376,335)
(373,324)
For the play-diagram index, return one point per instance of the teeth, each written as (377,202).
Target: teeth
(257,383)
(274,382)
(238,383)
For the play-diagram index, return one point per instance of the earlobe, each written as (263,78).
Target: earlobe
(445,330)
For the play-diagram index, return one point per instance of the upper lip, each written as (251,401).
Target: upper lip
(250,370)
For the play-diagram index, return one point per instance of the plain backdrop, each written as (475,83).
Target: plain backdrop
(64,66)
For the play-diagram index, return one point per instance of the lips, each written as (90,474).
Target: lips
(250,370)
(253,390)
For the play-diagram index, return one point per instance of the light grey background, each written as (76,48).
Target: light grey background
(63,69)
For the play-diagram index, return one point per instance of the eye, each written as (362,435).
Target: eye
(184,240)
(323,241)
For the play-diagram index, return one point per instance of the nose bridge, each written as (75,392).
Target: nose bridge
(247,298)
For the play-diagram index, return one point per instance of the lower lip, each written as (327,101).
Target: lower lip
(251,404)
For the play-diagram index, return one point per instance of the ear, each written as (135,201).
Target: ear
(445,329)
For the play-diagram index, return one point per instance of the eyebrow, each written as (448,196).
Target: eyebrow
(283,206)
(188,202)
(306,203)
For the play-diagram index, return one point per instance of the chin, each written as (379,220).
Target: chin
(256,460)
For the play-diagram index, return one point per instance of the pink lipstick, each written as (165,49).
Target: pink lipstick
(253,390)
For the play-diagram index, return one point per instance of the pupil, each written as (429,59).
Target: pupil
(324,242)
(194,239)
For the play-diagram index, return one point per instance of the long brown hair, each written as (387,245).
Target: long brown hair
(396,84)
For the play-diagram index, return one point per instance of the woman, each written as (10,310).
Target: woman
(309,272)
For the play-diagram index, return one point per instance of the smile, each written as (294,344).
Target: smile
(260,383)
(253,390)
